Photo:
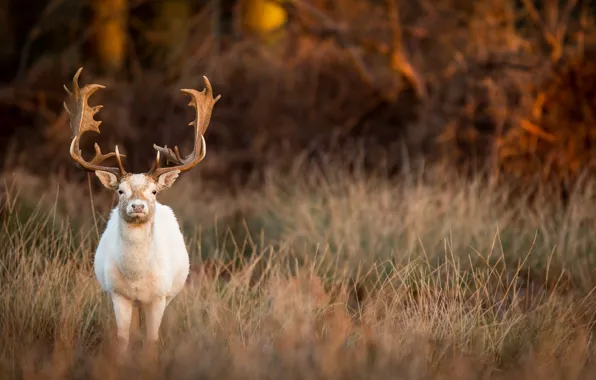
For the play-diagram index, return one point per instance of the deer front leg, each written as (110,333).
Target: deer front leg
(123,310)
(154,312)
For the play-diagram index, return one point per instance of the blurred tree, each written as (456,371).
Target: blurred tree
(169,33)
(110,27)
(7,41)
(263,18)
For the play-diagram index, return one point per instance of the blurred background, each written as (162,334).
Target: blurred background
(500,87)
(428,165)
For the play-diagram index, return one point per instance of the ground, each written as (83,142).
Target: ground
(352,277)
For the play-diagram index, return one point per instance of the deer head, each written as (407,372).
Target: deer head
(136,192)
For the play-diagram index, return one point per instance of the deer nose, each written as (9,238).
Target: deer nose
(139,207)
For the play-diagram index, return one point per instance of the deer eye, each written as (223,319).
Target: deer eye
(120,192)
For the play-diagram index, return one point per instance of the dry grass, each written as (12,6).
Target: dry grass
(334,276)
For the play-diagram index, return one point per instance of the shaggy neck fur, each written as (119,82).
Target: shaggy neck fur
(137,247)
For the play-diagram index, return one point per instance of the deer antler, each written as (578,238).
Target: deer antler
(81,121)
(203,103)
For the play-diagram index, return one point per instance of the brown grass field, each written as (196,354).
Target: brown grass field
(329,275)
(303,270)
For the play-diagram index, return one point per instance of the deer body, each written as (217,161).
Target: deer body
(142,263)
(141,257)
(145,263)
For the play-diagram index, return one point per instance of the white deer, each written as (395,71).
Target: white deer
(141,257)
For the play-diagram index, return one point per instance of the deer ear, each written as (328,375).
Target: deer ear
(167,179)
(108,179)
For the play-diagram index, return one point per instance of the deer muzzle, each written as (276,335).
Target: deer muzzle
(137,206)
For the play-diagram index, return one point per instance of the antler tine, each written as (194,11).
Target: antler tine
(202,102)
(81,121)
(119,159)
(156,163)
(99,157)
